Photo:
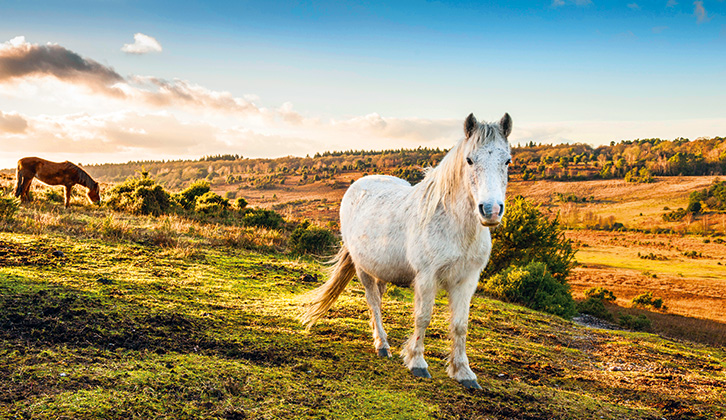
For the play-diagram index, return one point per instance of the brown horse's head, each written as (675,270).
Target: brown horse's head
(94,193)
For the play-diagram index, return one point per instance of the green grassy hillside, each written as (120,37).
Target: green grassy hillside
(119,327)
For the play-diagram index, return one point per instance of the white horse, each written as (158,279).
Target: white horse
(431,235)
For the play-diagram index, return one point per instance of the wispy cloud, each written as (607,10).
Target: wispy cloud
(700,12)
(19,59)
(560,3)
(633,6)
(659,29)
(672,3)
(12,123)
(143,44)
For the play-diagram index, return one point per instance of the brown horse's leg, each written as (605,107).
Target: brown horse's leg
(69,189)
(27,181)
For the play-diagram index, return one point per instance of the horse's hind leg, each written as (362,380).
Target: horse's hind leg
(25,188)
(373,297)
(19,185)
(424,294)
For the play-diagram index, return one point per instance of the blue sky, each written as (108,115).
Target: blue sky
(304,76)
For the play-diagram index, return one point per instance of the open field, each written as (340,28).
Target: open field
(118,329)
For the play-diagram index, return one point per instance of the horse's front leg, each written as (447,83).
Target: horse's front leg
(460,295)
(412,353)
(69,190)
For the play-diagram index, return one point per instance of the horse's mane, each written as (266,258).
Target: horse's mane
(442,182)
(83,177)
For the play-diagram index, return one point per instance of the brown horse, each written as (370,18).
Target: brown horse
(53,173)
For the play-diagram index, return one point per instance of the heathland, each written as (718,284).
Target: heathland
(108,314)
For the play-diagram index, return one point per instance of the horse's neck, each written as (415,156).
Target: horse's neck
(456,210)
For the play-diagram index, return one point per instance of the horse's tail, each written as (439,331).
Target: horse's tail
(322,298)
(19,177)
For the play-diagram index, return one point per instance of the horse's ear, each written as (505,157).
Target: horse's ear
(470,125)
(506,125)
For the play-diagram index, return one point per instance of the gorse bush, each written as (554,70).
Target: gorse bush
(211,204)
(309,239)
(9,205)
(263,218)
(534,286)
(140,195)
(187,198)
(526,235)
(600,293)
(52,195)
(648,300)
(595,307)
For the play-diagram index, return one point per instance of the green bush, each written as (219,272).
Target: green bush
(241,204)
(600,293)
(637,323)
(263,218)
(187,198)
(211,204)
(309,239)
(9,205)
(595,307)
(140,195)
(52,195)
(526,235)
(647,299)
(534,286)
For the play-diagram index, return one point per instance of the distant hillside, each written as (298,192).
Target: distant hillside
(633,160)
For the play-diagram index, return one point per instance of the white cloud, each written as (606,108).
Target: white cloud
(12,123)
(143,44)
(671,3)
(633,6)
(700,12)
(560,3)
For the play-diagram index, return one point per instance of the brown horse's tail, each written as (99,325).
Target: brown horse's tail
(19,177)
(322,298)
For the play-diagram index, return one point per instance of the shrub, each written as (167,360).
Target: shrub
(637,323)
(140,195)
(52,195)
(534,286)
(211,204)
(525,235)
(241,204)
(263,218)
(308,239)
(647,299)
(600,293)
(675,215)
(9,205)
(595,307)
(187,198)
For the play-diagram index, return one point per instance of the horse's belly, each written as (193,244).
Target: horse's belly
(372,218)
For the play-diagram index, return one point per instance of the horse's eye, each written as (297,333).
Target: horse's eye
(508,161)
(469,161)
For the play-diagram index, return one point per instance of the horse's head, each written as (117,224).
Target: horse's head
(486,166)
(94,193)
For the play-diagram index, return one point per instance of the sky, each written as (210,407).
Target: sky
(116,80)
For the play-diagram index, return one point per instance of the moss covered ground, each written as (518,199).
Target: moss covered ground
(127,330)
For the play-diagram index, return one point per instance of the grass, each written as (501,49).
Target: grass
(120,329)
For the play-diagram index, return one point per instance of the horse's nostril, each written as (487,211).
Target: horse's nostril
(482,211)
(501,209)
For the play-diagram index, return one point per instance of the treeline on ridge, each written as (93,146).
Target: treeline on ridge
(633,160)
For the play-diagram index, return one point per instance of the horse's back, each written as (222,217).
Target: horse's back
(373,222)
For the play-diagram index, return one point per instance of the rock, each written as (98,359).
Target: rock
(58,253)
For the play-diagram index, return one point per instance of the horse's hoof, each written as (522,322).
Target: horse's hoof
(384,353)
(470,384)
(421,373)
